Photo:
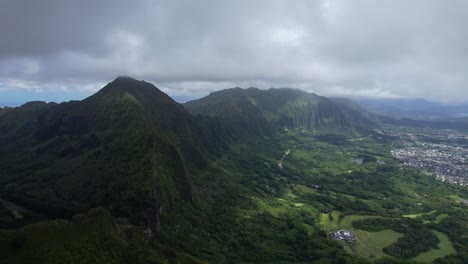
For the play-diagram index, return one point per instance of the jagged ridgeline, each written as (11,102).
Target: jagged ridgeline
(255,111)
(129,148)
(150,161)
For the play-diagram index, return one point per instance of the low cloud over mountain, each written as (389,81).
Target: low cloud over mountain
(368,48)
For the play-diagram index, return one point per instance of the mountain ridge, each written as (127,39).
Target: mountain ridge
(130,116)
(275,109)
(126,116)
(134,151)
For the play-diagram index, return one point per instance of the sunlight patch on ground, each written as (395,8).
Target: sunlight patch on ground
(368,244)
(420,214)
(445,248)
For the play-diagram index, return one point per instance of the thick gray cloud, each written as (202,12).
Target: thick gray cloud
(373,48)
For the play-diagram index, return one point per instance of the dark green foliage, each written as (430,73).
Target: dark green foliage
(210,183)
(359,116)
(14,219)
(458,259)
(253,111)
(110,149)
(131,149)
(456,227)
(417,238)
(414,242)
(7,218)
(91,238)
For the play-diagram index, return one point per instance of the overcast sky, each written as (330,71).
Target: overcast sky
(68,49)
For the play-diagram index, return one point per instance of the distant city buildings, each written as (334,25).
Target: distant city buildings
(435,152)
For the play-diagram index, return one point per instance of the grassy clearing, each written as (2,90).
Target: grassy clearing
(371,244)
(281,208)
(445,248)
(440,218)
(330,223)
(347,221)
(437,220)
(272,207)
(420,214)
(368,244)
(334,222)
(304,189)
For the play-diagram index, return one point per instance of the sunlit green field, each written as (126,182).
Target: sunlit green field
(418,215)
(368,244)
(445,248)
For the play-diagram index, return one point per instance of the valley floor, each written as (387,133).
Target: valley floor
(253,209)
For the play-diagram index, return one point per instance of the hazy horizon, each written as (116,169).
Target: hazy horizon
(18,98)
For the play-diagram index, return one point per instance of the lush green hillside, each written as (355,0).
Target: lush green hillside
(87,238)
(258,111)
(359,116)
(129,148)
(209,184)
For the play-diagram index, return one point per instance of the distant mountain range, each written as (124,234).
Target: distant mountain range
(418,109)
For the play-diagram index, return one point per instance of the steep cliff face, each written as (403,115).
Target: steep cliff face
(258,111)
(132,149)
(129,147)
(193,180)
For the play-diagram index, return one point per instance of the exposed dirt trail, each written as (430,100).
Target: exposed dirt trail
(280,163)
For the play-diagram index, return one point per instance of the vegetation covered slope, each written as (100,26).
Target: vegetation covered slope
(219,197)
(129,148)
(134,151)
(87,238)
(265,111)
